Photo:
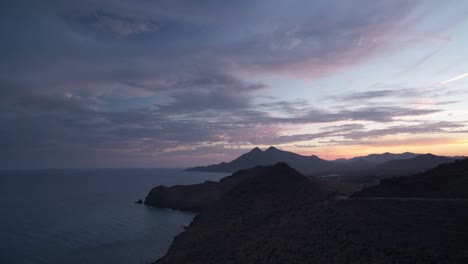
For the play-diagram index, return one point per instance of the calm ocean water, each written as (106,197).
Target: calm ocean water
(87,215)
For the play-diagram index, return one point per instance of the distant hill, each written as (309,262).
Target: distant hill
(399,164)
(257,157)
(445,181)
(416,164)
(378,158)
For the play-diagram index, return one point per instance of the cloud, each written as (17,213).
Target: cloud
(119,25)
(387,143)
(124,80)
(369,95)
(308,114)
(442,127)
(356,134)
(461,76)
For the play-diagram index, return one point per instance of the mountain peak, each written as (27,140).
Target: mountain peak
(270,156)
(282,167)
(271,149)
(256,149)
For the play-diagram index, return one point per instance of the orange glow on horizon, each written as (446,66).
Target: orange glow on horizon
(443,147)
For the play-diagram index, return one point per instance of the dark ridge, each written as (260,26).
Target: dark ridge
(379,158)
(195,197)
(417,164)
(445,181)
(257,157)
(184,197)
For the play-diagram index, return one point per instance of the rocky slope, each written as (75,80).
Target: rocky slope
(445,181)
(280,216)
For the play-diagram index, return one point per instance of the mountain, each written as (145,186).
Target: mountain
(417,164)
(403,163)
(197,196)
(280,216)
(257,157)
(445,181)
(378,158)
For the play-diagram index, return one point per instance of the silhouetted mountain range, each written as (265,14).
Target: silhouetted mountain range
(404,162)
(379,158)
(257,157)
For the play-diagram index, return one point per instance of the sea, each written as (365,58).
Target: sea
(88,215)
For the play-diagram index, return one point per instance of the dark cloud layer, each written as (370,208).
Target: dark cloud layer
(140,83)
(119,25)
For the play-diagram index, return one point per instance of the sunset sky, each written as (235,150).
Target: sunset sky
(173,83)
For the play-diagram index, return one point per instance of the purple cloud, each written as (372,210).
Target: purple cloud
(140,80)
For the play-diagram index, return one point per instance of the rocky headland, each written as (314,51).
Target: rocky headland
(277,215)
(197,196)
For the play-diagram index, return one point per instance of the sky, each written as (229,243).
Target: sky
(175,83)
